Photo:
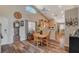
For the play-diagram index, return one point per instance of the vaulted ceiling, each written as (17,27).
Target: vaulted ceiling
(55,11)
(50,11)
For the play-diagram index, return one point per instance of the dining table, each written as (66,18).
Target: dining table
(40,37)
(43,35)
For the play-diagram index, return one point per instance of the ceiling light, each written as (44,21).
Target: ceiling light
(45,9)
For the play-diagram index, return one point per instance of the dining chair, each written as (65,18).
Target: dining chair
(46,39)
(37,40)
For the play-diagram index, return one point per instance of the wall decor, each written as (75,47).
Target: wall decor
(76,21)
(17,15)
(22,23)
(71,21)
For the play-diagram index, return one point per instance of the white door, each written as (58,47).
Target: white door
(5,30)
(0,36)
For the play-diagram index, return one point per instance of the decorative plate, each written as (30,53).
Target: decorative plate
(17,15)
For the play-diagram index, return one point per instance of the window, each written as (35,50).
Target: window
(30,9)
(31,26)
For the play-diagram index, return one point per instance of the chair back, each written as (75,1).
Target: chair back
(48,35)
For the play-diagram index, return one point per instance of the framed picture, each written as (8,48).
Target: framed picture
(17,15)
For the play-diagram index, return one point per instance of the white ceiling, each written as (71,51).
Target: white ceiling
(55,11)
(50,11)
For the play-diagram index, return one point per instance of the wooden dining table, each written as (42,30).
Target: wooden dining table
(39,37)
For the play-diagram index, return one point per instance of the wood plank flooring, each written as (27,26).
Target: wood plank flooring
(29,47)
(53,47)
(20,48)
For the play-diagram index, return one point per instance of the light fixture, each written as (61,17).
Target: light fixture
(30,9)
(45,9)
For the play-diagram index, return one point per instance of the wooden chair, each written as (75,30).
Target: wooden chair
(37,40)
(46,40)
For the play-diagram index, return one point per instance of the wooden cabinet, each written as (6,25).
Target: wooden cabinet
(74,44)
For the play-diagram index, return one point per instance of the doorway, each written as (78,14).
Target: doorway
(31,26)
(0,36)
(4,30)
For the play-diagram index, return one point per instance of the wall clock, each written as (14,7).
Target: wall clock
(16,24)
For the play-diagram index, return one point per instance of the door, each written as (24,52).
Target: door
(0,36)
(5,30)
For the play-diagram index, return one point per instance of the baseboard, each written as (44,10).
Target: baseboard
(7,43)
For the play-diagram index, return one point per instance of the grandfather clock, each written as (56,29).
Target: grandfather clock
(16,26)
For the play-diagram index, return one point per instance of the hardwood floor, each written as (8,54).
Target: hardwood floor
(11,48)
(21,47)
(53,47)
(29,47)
